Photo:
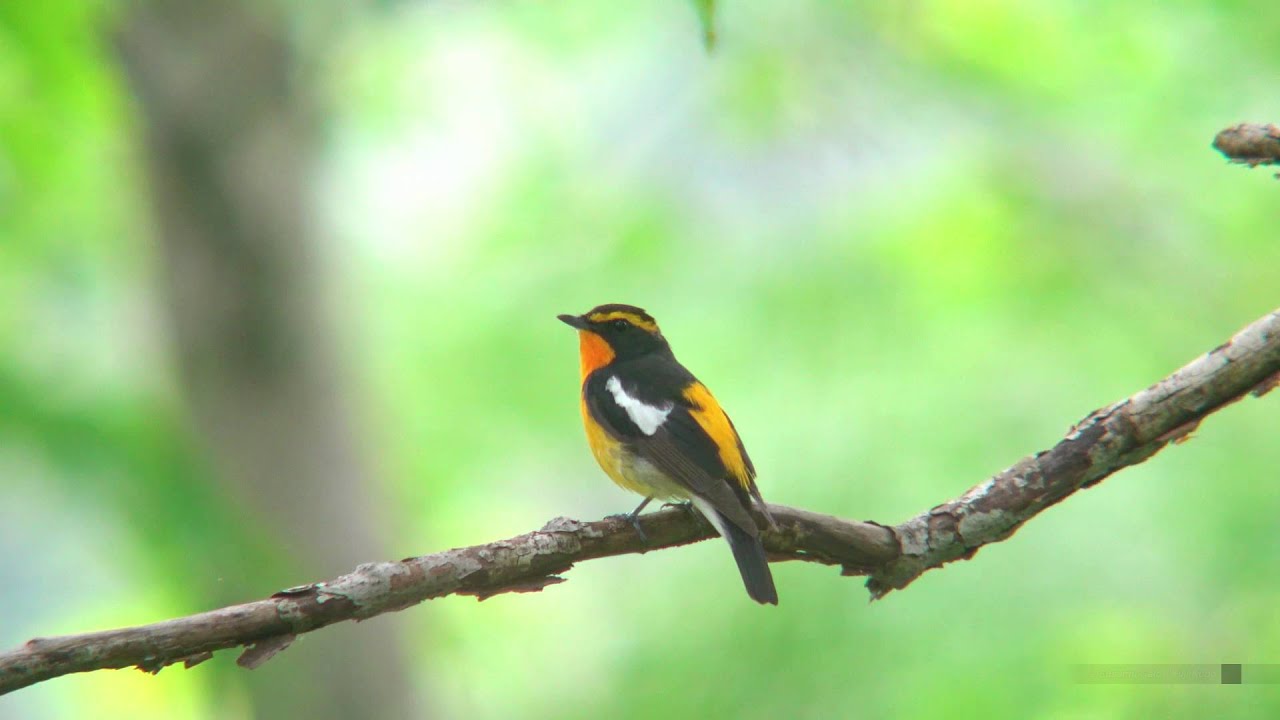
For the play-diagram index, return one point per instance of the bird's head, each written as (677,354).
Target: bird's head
(615,332)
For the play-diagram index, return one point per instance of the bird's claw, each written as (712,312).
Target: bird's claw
(635,523)
(632,519)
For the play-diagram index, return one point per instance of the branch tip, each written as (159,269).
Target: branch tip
(1249,144)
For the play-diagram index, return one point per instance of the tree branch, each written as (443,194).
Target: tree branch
(1109,439)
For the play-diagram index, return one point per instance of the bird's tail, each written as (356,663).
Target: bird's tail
(748,552)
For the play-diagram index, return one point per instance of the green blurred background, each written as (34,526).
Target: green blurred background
(278,286)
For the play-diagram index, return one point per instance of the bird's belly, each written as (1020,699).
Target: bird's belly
(632,472)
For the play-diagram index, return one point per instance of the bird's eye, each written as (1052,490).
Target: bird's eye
(620,324)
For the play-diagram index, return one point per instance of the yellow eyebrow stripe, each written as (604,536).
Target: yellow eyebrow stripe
(623,315)
(713,420)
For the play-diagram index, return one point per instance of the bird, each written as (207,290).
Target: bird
(656,430)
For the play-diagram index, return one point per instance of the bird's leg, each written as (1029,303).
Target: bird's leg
(636,513)
(633,517)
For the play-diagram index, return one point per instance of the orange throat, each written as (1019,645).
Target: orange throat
(594,353)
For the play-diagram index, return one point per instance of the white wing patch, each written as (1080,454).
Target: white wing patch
(646,417)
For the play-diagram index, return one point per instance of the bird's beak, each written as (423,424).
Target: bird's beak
(574,321)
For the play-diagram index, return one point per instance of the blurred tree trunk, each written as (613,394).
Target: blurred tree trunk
(231,137)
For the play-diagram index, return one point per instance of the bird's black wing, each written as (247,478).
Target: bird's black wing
(679,447)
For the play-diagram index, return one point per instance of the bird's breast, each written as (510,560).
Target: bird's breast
(627,469)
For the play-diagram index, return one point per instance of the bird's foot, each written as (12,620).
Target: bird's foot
(686,505)
(632,519)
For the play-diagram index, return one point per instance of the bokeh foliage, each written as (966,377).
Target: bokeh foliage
(906,243)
